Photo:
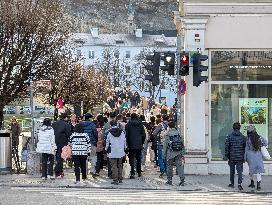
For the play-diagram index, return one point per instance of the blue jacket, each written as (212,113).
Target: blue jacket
(90,129)
(235,146)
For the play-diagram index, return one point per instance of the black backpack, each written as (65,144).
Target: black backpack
(176,143)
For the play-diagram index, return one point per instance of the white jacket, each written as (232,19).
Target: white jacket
(117,145)
(46,143)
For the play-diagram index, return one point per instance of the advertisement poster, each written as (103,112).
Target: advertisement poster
(254,111)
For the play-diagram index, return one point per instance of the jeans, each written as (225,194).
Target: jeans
(47,169)
(80,165)
(132,154)
(161,161)
(239,168)
(59,162)
(117,168)
(179,165)
(99,162)
(144,152)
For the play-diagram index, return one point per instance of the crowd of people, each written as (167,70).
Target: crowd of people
(111,139)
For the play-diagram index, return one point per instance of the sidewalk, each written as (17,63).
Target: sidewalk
(149,181)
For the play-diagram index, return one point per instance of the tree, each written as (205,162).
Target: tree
(33,34)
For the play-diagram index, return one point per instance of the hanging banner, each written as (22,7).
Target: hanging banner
(254,111)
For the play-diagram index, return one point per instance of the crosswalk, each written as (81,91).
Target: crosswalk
(136,197)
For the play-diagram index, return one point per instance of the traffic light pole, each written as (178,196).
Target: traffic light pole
(180,104)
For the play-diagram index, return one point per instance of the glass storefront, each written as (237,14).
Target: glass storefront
(244,102)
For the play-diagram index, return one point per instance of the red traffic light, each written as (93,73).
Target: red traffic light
(184,59)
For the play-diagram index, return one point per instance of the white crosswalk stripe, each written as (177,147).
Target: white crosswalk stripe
(136,197)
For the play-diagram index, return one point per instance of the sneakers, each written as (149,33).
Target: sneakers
(169,183)
(50,177)
(85,182)
(240,187)
(120,181)
(132,177)
(44,178)
(114,182)
(77,182)
(231,185)
(139,174)
(182,183)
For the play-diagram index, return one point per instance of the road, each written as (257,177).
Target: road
(58,196)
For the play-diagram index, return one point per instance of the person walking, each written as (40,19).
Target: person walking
(90,129)
(81,145)
(135,135)
(173,151)
(116,146)
(235,145)
(253,156)
(105,131)
(47,147)
(62,131)
(100,145)
(159,134)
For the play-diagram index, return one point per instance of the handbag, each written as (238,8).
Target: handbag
(126,170)
(66,152)
(265,153)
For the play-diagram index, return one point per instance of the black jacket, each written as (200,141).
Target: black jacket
(135,134)
(62,132)
(235,146)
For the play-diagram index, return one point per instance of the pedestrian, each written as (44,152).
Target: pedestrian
(100,145)
(145,146)
(47,147)
(105,131)
(90,129)
(15,133)
(73,121)
(81,145)
(150,128)
(234,152)
(253,156)
(159,134)
(116,146)
(135,135)
(173,151)
(62,132)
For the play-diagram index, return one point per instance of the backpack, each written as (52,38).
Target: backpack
(176,143)
(99,146)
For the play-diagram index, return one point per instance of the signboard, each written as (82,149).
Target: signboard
(254,111)
(42,83)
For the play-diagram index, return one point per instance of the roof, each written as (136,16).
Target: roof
(124,40)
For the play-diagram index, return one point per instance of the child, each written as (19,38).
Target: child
(116,145)
(80,143)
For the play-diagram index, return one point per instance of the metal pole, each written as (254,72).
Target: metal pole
(31,115)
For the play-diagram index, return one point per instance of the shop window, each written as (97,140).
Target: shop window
(250,104)
(78,53)
(241,65)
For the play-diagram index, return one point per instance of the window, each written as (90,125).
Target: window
(127,69)
(116,53)
(128,83)
(127,54)
(241,65)
(246,103)
(91,54)
(78,53)
(241,91)
(142,85)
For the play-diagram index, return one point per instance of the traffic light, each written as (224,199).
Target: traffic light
(184,64)
(198,68)
(153,67)
(169,63)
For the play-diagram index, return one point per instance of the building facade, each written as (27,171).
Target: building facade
(237,39)
(123,57)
